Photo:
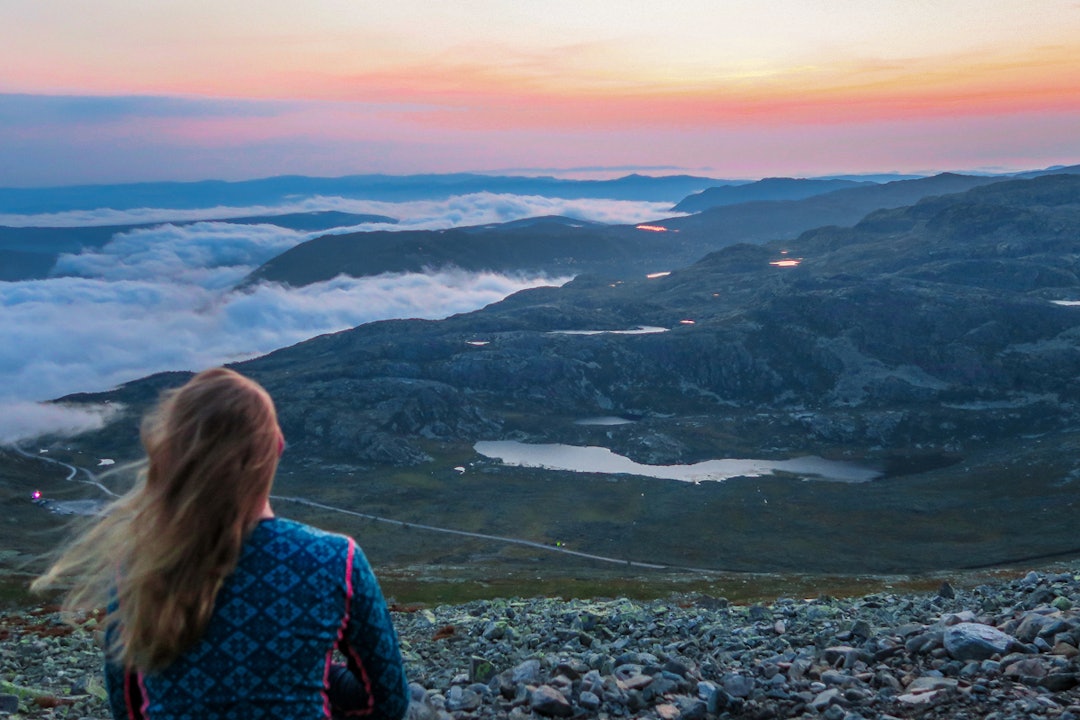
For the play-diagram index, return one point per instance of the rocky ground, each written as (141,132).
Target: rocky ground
(1000,651)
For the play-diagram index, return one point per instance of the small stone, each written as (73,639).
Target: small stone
(1032,578)
(9,703)
(590,701)
(929,683)
(946,591)
(841,656)
(464,699)
(1065,649)
(1062,603)
(695,710)
(527,672)
(635,682)
(757,613)
(1060,682)
(1026,668)
(667,711)
(738,686)
(480,670)
(834,712)
(923,698)
(825,698)
(972,641)
(546,700)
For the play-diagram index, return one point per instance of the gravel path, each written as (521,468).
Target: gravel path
(1000,651)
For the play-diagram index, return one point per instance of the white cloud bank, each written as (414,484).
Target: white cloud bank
(460,210)
(23,420)
(160,299)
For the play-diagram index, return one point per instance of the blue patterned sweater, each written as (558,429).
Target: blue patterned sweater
(297,594)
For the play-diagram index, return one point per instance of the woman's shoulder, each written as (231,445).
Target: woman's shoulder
(302,533)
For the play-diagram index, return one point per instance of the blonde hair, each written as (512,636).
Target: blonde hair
(158,555)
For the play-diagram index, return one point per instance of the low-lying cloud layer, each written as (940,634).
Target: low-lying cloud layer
(23,420)
(76,334)
(460,210)
(161,298)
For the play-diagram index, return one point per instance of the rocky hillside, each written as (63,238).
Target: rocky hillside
(1004,650)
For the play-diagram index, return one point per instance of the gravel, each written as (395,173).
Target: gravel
(997,651)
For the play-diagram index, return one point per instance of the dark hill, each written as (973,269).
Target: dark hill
(766,189)
(564,247)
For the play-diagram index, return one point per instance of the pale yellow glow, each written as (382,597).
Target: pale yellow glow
(265,48)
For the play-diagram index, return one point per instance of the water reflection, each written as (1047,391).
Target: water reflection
(639,330)
(604,420)
(594,459)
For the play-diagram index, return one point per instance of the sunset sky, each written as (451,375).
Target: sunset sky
(118,90)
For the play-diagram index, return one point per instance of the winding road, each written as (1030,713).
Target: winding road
(73,470)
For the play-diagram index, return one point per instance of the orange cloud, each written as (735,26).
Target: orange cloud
(479,97)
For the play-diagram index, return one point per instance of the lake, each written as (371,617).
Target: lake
(593,459)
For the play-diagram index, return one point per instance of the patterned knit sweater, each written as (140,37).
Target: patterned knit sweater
(297,594)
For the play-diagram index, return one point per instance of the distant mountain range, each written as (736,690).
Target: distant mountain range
(766,189)
(30,252)
(395,188)
(566,246)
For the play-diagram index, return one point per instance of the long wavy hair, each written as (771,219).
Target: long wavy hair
(158,555)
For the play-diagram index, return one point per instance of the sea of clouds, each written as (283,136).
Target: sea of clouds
(162,298)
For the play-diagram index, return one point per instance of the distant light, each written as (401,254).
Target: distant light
(686,322)
(477,343)
(36,495)
(653,276)
(652,228)
(793,262)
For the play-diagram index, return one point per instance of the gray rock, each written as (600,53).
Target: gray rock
(825,698)
(546,700)
(738,686)
(460,698)
(973,641)
(480,669)
(527,672)
(834,712)
(1032,626)
(589,701)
